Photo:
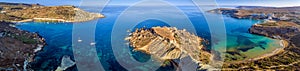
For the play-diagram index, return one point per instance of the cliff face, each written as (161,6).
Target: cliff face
(17,47)
(169,43)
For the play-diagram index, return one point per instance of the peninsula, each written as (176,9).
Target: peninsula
(19,12)
(169,43)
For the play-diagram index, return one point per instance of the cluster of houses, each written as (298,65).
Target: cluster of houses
(270,17)
(274,18)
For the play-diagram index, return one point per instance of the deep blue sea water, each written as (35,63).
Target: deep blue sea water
(59,36)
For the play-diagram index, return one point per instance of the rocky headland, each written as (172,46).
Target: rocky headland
(277,30)
(18,12)
(261,13)
(169,43)
(17,47)
(280,23)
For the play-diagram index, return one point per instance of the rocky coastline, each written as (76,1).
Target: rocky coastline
(17,47)
(276,32)
(17,12)
(169,43)
(278,23)
(261,13)
(287,31)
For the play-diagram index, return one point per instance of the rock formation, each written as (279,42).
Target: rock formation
(167,43)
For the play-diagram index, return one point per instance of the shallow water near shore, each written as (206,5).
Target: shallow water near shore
(59,38)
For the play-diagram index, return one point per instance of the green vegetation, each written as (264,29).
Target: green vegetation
(24,39)
(285,60)
(269,24)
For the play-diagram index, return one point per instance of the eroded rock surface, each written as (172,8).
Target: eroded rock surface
(167,43)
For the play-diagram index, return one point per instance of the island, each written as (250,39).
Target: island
(280,23)
(169,43)
(19,12)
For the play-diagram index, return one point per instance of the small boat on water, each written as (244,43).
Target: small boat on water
(92,43)
(79,40)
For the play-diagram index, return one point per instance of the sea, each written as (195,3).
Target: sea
(58,35)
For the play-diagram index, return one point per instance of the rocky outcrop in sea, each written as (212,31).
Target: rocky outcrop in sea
(168,43)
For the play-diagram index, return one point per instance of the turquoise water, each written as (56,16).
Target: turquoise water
(59,37)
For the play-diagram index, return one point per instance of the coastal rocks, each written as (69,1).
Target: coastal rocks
(66,62)
(283,32)
(166,43)
(17,47)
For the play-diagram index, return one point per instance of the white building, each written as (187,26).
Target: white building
(3,12)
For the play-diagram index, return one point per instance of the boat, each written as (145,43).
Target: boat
(79,40)
(92,43)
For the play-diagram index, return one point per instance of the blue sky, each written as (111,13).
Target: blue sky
(277,3)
